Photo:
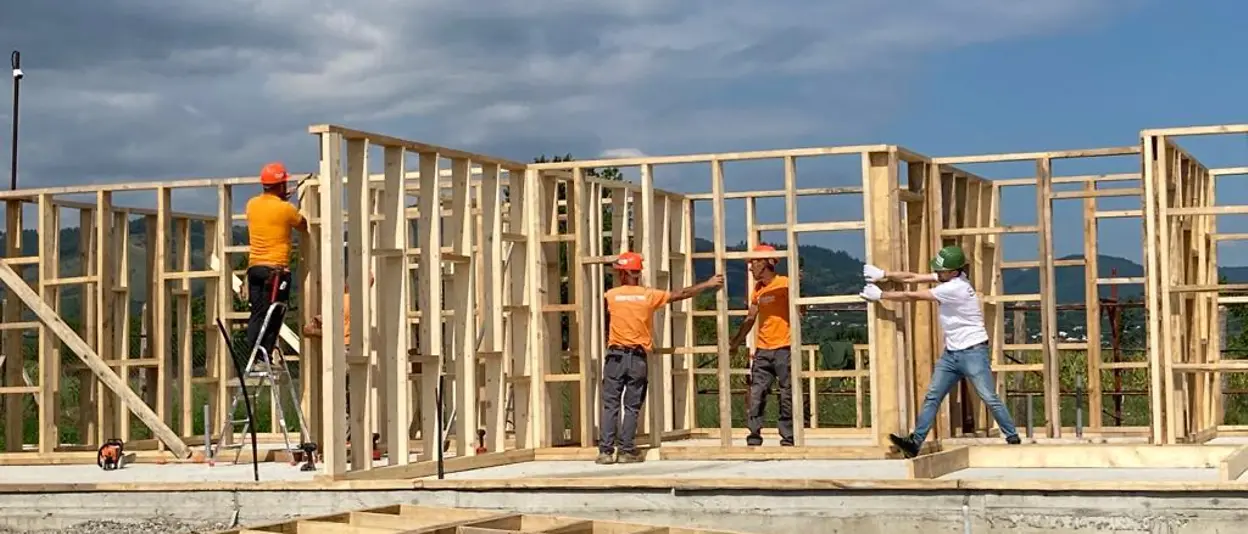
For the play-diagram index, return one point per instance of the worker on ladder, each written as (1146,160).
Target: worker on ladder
(769,308)
(630,313)
(270,220)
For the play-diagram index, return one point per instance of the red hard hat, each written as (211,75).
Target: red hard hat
(273,174)
(628,261)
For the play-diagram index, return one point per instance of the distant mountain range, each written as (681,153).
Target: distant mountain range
(835,272)
(826,272)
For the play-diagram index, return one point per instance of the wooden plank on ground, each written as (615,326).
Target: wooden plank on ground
(450,465)
(738,453)
(936,465)
(1100,456)
(1233,465)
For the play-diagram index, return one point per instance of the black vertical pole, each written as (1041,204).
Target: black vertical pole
(437,405)
(16,60)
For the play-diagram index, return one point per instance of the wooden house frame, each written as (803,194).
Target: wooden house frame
(1186,300)
(499,291)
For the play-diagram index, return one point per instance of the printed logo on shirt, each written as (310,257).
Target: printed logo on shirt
(630,298)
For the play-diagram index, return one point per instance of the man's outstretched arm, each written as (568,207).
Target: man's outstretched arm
(873,293)
(714,282)
(876,274)
(744,329)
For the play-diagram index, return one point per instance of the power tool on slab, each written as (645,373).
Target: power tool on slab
(309,456)
(109,456)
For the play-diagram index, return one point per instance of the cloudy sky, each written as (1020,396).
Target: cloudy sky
(127,90)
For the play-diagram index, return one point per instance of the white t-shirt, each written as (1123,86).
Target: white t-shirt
(961,317)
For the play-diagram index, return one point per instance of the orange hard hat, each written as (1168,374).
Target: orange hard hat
(628,261)
(273,174)
(765,248)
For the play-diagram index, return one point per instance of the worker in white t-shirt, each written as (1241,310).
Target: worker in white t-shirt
(966,340)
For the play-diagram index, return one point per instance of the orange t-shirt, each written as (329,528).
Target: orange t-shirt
(346,318)
(269,223)
(632,314)
(773,313)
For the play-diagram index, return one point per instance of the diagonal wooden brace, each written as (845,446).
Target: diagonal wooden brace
(53,322)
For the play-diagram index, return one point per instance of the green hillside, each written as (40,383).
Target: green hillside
(72,259)
(826,272)
(835,272)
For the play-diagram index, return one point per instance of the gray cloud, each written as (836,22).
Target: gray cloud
(143,89)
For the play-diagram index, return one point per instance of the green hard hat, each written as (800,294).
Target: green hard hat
(949,258)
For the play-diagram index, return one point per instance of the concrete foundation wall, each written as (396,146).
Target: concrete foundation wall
(746,511)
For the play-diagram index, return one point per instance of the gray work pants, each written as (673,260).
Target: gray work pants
(770,365)
(624,382)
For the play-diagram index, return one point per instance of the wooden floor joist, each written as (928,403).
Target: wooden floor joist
(412,519)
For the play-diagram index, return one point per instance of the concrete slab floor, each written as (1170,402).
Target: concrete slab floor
(772,440)
(1228,440)
(1088,475)
(679,469)
(800,469)
(36,474)
(664,469)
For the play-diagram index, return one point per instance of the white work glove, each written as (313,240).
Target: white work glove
(871,292)
(872,273)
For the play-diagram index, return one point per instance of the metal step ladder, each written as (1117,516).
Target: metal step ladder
(263,373)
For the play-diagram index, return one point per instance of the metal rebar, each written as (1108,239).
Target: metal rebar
(1078,406)
(1030,401)
(207,434)
(437,405)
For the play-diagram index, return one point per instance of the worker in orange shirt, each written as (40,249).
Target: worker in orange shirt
(630,313)
(769,308)
(315,328)
(270,220)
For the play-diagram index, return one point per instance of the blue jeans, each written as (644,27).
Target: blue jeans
(971,363)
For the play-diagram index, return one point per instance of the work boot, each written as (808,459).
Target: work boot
(908,446)
(1014,440)
(629,457)
(605,458)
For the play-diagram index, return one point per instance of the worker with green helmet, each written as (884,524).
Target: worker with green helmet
(966,340)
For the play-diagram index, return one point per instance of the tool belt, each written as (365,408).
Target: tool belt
(276,275)
(636,350)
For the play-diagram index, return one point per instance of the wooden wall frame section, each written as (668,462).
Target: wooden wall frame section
(518,361)
(1185,303)
(103,285)
(885,224)
(977,228)
(449,271)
